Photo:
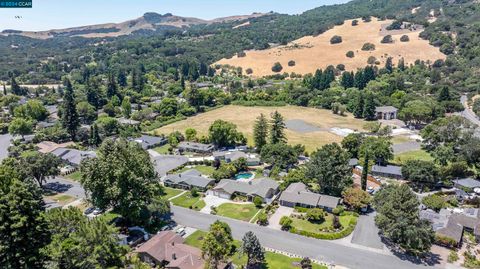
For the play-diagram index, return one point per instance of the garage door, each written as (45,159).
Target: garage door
(222,195)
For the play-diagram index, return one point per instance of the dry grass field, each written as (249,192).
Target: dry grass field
(244,118)
(313,52)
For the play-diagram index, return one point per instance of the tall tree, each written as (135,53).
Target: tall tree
(329,167)
(70,119)
(126,107)
(358,105)
(260,132)
(94,138)
(112,88)
(369,108)
(217,244)
(254,251)
(277,129)
(225,134)
(20,126)
(398,219)
(14,87)
(352,143)
(39,166)
(389,64)
(347,80)
(364,178)
(121,176)
(23,229)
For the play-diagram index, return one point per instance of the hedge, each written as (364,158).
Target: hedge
(328,236)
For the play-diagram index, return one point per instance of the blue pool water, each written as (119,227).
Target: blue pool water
(245,175)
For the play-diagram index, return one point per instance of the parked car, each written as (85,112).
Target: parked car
(89,210)
(97,211)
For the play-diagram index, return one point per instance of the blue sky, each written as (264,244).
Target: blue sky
(51,14)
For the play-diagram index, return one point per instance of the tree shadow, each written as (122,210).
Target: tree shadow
(56,187)
(429,258)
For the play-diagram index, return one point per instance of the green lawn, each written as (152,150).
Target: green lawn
(413,155)
(203,169)
(75,176)
(163,149)
(170,192)
(62,199)
(188,201)
(274,260)
(237,211)
(308,226)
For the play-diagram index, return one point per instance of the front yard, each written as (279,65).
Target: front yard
(188,201)
(203,169)
(325,229)
(274,260)
(75,176)
(170,192)
(243,212)
(412,155)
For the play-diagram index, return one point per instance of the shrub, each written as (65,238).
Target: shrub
(354,22)
(368,46)
(341,67)
(241,54)
(404,38)
(291,63)
(301,209)
(262,219)
(336,39)
(286,223)
(387,39)
(396,25)
(194,192)
(434,202)
(350,54)
(453,256)
(315,215)
(257,201)
(371,60)
(366,18)
(338,210)
(445,241)
(277,67)
(249,71)
(336,222)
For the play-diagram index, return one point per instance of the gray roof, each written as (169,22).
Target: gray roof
(259,187)
(451,224)
(468,183)
(191,178)
(73,156)
(125,121)
(385,109)
(148,141)
(165,163)
(389,169)
(298,193)
(353,162)
(195,146)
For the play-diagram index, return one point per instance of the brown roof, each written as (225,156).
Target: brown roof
(168,246)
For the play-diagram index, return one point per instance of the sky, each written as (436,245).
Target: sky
(57,14)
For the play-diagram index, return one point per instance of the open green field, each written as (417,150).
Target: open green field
(188,201)
(413,155)
(320,118)
(274,260)
(243,212)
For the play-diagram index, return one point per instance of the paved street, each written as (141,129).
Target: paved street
(467,113)
(327,251)
(4,144)
(366,232)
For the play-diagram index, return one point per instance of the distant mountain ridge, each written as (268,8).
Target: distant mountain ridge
(150,21)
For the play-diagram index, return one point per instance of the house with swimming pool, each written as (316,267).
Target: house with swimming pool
(264,188)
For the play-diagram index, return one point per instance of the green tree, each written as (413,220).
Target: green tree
(286,223)
(398,219)
(121,176)
(190,134)
(356,198)
(379,149)
(277,129)
(112,87)
(369,108)
(126,107)
(70,119)
(254,251)
(217,244)
(15,88)
(306,263)
(420,173)
(39,166)
(358,105)
(329,167)
(279,155)
(260,132)
(32,110)
(94,138)
(20,126)
(257,201)
(315,215)
(23,229)
(416,112)
(364,178)
(224,134)
(352,143)
(86,112)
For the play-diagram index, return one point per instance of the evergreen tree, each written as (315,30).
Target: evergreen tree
(14,87)
(182,82)
(23,229)
(70,119)
(92,94)
(360,80)
(203,69)
(217,244)
(112,88)
(277,129)
(401,64)
(347,80)
(211,72)
(254,251)
(444,94)
(4,89)
(260,132)
(368,74)
(122,79)
(126,107)
(94,138)
(365,171)
(358,105)
(389,64)
(369,108)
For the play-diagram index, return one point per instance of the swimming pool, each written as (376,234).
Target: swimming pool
(244,175)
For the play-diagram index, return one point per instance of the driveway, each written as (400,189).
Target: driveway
(274,220)
(212,200)
(65,186)
(366,232)
(4,144)
(322,250)
(468,113)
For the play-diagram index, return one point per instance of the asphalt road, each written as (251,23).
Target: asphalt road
(330,252)
(65,186)
(467,113)
(366,232)
(4,144)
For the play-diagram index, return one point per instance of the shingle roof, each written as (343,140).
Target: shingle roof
(165,163)
(353,162)
(73,156)
(191,177)
(389,169)
(385,109)
(298,193)
(196,146)
(451,224)
(148,141)
(259,187)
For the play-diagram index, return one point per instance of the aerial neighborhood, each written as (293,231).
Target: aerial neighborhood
(347,136)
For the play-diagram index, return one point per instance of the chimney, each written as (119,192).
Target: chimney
(173,243)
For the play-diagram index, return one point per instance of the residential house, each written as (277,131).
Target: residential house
(148,141)
(466,183)
(167,250)
(195,147)
(452,223)
(188,180)
(166,163)
(124,121)
(231,156)
(297,194)
(264,188)
(386,112)
(49,146)
(73,157)
(390,171)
